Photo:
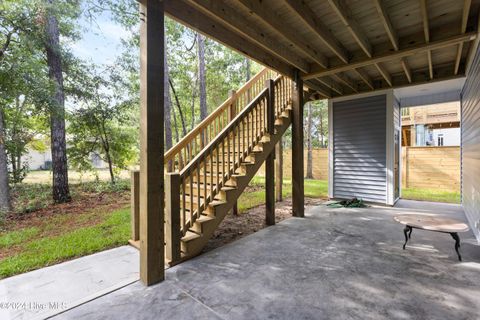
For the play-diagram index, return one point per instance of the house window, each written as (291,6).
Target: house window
(440,140)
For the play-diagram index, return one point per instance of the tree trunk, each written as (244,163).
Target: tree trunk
(309,142)
(248,70)
(4,187)
(61,192)
(202,76)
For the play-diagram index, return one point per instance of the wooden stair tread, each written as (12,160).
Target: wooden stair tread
(190,235)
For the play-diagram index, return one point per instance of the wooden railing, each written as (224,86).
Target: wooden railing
(189,146)
(190,191)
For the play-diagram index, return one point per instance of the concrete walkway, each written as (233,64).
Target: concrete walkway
(48,291)
(333,264)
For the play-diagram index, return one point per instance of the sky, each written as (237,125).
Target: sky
(101,42)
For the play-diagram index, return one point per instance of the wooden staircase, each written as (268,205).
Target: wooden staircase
(213,164)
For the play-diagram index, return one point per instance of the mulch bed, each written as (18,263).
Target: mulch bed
(235,227)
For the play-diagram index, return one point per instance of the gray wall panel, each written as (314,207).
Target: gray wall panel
(359,151)
(470,154)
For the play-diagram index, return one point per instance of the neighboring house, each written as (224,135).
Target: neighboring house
(432,125)
(43,160)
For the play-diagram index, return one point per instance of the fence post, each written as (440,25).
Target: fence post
(232,112)
(172,217)
(405,167)
(270,161)
(135,204)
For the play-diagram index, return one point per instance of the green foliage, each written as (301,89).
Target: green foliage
(103,123)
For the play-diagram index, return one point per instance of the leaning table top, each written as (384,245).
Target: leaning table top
(427,222)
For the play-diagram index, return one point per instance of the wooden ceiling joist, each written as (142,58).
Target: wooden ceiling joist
(262,11)
(331,85)
(397,55)
(365,77)
(406,69)
(463,29)
(222,12)
(346,81)
(310,19)
(185,14)
(392,35)
(343,12)
(426,31)
(384,73)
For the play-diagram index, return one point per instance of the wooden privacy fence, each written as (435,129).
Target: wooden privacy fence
(319,164)
(422,167)
(431,167)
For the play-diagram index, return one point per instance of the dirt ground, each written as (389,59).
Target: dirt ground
(235,227)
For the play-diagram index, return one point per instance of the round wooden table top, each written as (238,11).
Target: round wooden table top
(440,224)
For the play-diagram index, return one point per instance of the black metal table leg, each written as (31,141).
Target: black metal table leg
(457,244)
(410,233)
(407,236)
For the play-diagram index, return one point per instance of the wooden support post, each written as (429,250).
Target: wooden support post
(279,170)
(135,204)
(297,147)
(232,112)
(270,161)
(172,217)
(152,244)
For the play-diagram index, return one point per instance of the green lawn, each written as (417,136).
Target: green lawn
(32,251)
(431,195)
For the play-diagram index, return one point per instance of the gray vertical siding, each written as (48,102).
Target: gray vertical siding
(359,149)
(471,146)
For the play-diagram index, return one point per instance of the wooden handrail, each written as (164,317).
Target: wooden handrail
(197,131)
(223,134)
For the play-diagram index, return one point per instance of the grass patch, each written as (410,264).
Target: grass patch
(113,231)
(434,195)
(17,236)
(248,200)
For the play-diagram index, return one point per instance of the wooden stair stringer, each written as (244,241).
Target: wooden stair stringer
(195,246)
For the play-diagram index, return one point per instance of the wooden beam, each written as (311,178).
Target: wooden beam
(135,204)
(279,170)
(219,10)
(365,78)
(384,73)
(343,12)
(426,31)
(397,55)
(270,161)
(263,11)
(152,248)
(172,217)
(392,35)
(463,29)
(298,194)
(193,18)
(306,14)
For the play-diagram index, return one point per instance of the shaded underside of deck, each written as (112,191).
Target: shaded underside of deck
(332,264)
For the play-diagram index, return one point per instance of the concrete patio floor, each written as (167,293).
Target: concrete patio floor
(333,264)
